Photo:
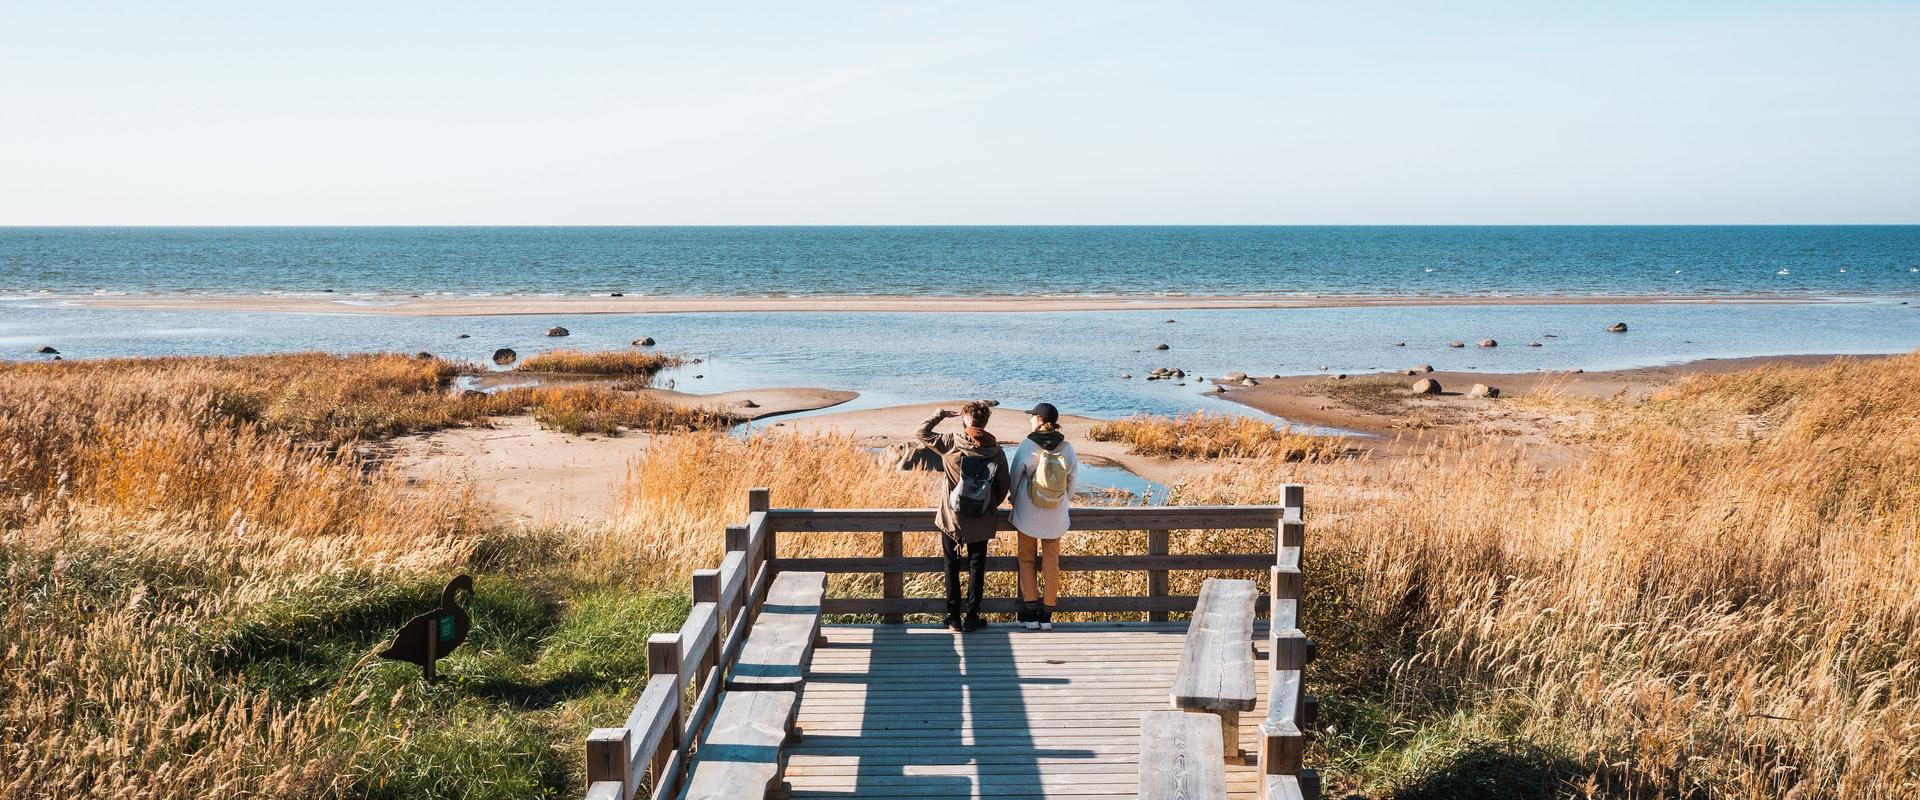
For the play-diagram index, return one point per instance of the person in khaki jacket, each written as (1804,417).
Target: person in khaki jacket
(976,483)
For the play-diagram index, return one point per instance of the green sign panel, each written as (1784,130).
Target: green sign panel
(446,628)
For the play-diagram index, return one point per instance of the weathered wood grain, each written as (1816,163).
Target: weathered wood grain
(739,755)
(1216,665)
(1180,757)
(776,651)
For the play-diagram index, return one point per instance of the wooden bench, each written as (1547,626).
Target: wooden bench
(739,755)
(776,652)
(1180,757)
(1216,665)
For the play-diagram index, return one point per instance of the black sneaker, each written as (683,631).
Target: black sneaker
(974,622)
(953,624)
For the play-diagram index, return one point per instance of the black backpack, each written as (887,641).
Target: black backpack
(973,495)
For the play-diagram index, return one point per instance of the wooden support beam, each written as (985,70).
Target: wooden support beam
(663,659)
(608,751)
(893,585)
(1156,578)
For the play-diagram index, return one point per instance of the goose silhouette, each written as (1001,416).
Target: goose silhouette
(431,636)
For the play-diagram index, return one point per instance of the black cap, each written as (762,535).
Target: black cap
(1046,412)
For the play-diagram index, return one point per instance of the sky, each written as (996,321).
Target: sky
(829,112)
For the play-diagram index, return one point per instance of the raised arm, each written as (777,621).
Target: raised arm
(940,442)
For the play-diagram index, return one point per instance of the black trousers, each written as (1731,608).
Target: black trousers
(975,562)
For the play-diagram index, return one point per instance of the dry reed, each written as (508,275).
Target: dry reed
(1203,435)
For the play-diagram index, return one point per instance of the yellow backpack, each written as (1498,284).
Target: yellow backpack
(1048,487)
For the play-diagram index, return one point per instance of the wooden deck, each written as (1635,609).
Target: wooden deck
(914,711)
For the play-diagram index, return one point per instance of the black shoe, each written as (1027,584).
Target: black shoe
(953,624)
(974,622)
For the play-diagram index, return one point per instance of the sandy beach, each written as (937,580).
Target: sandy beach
(513,306)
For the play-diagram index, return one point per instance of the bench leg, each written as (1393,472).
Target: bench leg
(1230,736)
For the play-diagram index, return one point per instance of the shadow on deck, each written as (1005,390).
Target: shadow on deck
(917,711)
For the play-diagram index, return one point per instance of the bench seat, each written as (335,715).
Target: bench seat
(739,755)
(1216,661)
(781,641)
(1180,757)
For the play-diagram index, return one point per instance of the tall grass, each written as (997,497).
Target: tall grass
(630,363)
(1717,600)
(1203,435)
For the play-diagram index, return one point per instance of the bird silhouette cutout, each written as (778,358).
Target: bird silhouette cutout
(431,636)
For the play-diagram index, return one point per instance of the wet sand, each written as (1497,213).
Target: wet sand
(509,306)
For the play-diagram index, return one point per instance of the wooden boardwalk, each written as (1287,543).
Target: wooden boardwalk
(914,711)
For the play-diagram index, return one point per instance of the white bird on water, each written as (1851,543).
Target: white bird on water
(1429,269)
(1783,272)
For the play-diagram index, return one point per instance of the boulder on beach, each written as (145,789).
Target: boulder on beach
(423,356)
(748,403)
(505,355)
(1234,376)
(1217,389)
(1162,346)
(1422,368)
(1489,343)
(1618,327)
(1483,390)
(1533,344)
(1456,343)
(1426,386)
(557,331)
(1249,382)
(1340,377)
(47,351)
(644,341)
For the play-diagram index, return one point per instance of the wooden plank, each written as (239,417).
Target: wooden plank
(606,790)
(893,585)
(652,717)
(1216,666)
(1068,563)
(1008,605)
(697,635)
(663,661)
(1180,757)
(739,754)
(1134,518)
(775,654)
(1157,574)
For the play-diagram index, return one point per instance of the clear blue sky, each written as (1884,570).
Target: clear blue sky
(967,113)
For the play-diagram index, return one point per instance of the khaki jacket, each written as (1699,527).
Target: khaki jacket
(952,447)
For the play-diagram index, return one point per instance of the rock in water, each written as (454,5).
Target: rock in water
(1618,327)
(1217,389)
(1456,343)
(505,355)
(1533,344)
(1426,386)
(644,341)
(1126,375)
(1162,346)
(463,336)
(557,331)
(1483,390)
(616,294)
(1489,343)
(47,351)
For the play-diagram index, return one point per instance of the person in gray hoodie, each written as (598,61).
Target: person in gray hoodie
(977,481)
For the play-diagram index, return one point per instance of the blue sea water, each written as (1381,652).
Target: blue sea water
(1869,260)
(1073,359)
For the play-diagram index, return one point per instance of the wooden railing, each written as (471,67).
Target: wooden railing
(655,739)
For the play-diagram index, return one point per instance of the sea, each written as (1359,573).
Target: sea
(1850,289)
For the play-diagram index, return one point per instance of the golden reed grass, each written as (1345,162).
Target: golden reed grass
(1202,435)
(142,505)
(1717,600)
(608,362)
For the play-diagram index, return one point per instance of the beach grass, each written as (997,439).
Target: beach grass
(626,363)
(1715,599)
(1210,436)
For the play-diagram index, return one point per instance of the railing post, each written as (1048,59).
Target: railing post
(759,499)
(1291,709)
(893,583)
(1157,578)
(706,589)
(608,758)
(663,658)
